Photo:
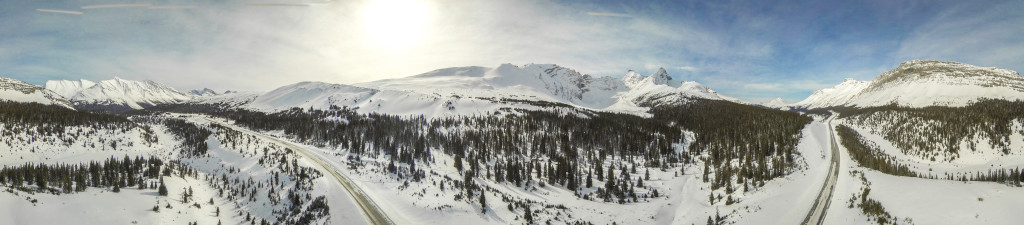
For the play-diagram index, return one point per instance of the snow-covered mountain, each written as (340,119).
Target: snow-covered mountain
(68,88)
(117,93)
(471,90)
(204,92)
(311,94)
(19,91)
(922,83)
(835,96)
(776,103)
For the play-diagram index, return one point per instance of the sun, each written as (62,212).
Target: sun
(396,24)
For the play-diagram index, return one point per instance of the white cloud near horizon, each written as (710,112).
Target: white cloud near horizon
(60,11)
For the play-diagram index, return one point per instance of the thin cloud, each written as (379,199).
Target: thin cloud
(172,7)
(109,6)
(278,4)
(688,68)
(60,11)
(763,86)
(609,14)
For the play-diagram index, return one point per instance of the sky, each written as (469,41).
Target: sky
(752,50)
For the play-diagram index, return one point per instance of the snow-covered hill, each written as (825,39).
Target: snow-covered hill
(922,83)
(18,91)
(117,93)
(478,90)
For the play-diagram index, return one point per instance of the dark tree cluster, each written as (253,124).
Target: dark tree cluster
(49,123)
(933,131)
(193,137)
(64,178)
(565,148)
(868,155)
(741,145)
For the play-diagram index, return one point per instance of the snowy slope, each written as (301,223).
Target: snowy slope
(922,83)
(836,96)
(227,99)
(68,88)
(479,90)
(118,92)
(311,94)
(18,91)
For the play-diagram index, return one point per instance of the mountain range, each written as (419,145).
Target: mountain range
(480,90)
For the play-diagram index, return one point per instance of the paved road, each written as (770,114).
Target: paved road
(370,209)
(817,214)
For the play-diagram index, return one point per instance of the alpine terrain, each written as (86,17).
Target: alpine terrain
(928,142)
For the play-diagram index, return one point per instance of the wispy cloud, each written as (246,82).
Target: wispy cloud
(763,86)
(277,4)
(108,6)
(608,14)
(171,7)
(60,11)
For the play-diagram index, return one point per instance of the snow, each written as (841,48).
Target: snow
(101,206)
(19,91)
(926,201)
(982,159)
(481,90)
(947,202)
(835,96)
(68,88)
(923,83)
(684,200)
(119,92)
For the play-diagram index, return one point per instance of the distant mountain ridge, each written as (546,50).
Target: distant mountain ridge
(448,91)
(475,90)
(922,83)
(116,94)
(19,91)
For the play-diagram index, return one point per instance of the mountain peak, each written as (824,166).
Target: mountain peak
(661,77)
(204,92)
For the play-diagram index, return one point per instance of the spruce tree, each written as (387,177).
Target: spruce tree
(528,214)
(163,188)
(483,201)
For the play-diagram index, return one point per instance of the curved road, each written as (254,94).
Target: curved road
(817,214)
(374,215)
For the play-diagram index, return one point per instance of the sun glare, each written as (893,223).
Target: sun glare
(395,24)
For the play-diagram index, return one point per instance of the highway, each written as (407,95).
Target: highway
(374,215)
(820,208)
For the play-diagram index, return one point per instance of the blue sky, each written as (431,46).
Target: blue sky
(753,50)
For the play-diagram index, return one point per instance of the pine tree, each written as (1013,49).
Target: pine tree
(163,188)
(528,214)
(458,162)
(590,181)
(483,202)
